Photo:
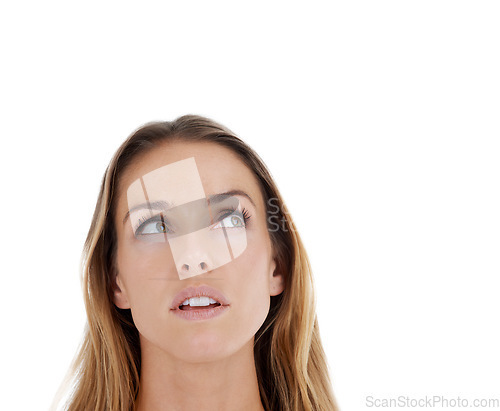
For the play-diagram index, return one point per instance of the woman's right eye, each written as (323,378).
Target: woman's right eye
(152,227)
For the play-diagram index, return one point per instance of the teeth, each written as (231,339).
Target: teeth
(199,301)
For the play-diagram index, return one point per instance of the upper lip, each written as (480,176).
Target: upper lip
(202,290)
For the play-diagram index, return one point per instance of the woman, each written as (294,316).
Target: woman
(196,297)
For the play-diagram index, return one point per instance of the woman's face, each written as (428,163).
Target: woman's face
(147,276)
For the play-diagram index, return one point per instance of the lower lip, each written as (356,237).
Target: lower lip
(203,314)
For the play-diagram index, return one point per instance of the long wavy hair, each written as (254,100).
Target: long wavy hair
(291,365)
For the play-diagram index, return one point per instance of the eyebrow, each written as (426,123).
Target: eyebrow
(164,205)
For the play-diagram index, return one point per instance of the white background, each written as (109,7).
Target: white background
(378,119)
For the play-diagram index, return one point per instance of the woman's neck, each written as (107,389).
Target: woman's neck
(168,383)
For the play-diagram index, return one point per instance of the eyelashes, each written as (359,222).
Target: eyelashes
(243,214)
(151,223)
(158,224)
(235,219)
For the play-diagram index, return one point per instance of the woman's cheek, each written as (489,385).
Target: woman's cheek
(253,281)
(146,260)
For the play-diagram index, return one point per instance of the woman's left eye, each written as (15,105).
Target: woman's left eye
(231,221)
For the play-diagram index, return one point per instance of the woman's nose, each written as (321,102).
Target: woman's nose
(194,263)
(198,252)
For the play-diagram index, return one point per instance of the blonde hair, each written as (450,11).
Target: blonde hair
(291,365)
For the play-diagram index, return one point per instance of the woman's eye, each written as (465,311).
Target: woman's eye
(231,221)
(154,227)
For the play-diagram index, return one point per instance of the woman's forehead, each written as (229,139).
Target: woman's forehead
(179,172)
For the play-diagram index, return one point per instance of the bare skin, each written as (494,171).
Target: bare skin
(190,365)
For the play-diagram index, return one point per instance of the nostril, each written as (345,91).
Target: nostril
(185,267)
(203,265)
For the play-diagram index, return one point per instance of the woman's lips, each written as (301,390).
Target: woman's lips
(200,291)
(201,313)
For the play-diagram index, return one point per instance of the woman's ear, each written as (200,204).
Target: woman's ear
(119,293)
(276,280)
